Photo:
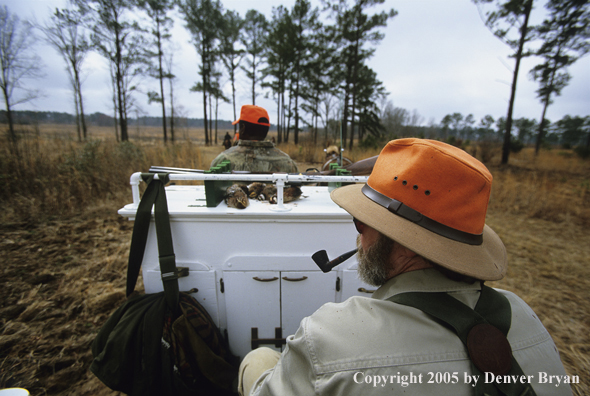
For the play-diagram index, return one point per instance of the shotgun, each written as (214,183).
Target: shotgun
(360,168)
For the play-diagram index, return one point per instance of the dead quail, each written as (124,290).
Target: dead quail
(235,197)
(291,193)
(269,192)
(243,186)
(255,189)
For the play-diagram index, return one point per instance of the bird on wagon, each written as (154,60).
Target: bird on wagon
(255,191)
(235,197)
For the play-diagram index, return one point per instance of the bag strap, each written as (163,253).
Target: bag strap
(154,196)
(482,330)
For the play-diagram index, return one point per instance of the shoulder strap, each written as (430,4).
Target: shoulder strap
(482,330)
(154,195)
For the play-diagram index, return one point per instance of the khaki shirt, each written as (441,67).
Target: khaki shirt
(368,346)
(257,157)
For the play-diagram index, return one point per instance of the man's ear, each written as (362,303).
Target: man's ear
(404,251)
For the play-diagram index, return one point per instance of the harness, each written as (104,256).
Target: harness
(482,330)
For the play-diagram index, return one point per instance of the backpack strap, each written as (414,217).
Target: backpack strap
(482,330)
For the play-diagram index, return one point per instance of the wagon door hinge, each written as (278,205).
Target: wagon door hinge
(221,285)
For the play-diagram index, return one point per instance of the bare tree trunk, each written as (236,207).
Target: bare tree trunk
(205,64)
(352,125)
(541,127)
(233,96)
(507,133)
(78,127)
(171,113)
(317,121)
(170,80)
(216,117)
(11,131)
(296,131)
(281,115)
(161,77)
(354,79)
(115,118)
(253,79)
(279,139)
(119,83)
(81,103)
(288,123)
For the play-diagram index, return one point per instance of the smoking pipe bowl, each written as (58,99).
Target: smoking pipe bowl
(322,260)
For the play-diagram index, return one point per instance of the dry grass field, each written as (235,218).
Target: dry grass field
(63,248)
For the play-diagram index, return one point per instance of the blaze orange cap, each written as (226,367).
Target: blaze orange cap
(254,115)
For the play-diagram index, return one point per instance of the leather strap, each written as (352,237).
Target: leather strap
(398,208)
(482,330)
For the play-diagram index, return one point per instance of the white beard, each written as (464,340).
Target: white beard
(374,266)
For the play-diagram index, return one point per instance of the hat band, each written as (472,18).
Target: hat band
(398,208)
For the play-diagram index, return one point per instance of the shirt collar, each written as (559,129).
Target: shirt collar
(255,143)
(426,280)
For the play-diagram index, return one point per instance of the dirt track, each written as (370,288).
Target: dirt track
(60,281)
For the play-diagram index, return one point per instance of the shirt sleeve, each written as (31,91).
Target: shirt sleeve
(294,373)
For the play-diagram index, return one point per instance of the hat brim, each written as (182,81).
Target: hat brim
(487,261)
(256,123)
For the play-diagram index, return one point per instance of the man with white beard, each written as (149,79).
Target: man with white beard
(433,327)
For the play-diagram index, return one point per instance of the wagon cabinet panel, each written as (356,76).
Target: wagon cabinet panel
(252,268)
(252,301)
(302,293)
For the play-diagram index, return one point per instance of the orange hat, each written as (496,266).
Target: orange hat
(253,114)
(432,198)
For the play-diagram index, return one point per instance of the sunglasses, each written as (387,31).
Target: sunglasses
(359,225)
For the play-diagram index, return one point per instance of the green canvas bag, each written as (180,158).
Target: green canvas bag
(164,343)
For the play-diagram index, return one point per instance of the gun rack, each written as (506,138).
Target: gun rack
(219,178)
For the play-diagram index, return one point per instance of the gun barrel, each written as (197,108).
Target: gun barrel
(167,169)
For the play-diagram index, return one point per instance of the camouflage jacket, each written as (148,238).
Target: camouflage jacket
(257,157)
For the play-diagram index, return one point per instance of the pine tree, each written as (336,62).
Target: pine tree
(566,37)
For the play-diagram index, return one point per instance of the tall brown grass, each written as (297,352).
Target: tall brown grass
(44,177)
(48,173)
(308,152)
(554,186)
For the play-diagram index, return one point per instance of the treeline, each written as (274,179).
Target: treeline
(311,61)
(396,122)
(456,128)
(27,117)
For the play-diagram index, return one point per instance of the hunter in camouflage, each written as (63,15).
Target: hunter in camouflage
(253,153)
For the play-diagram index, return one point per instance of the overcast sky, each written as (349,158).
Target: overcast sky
(437,58)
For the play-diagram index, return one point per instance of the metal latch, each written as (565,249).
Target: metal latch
(180,272)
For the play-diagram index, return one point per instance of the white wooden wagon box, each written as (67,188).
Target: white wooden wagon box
(251,268)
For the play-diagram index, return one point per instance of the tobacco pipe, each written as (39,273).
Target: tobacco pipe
(322,260)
